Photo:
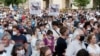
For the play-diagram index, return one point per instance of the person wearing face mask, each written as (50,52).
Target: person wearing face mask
(61,42)
(49,40)
(18,50)
(76,44)
(17,35)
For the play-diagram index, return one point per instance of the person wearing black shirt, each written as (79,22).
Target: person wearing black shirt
(17,36)
(61,42)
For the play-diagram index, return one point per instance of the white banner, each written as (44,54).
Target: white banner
(54,10)
(35,8)
(11,7)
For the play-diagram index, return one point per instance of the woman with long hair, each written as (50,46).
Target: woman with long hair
(18,50)
(45,51)
(93,48)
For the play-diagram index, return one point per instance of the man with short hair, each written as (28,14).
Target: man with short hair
(17,35)
(61,42)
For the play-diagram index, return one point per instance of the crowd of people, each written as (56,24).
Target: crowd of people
(74,33)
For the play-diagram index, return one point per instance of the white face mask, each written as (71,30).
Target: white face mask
(14,33)
(21,52)
(10,27)
(81,26)
(88,28)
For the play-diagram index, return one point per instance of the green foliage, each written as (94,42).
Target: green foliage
(16,2)
(1,1)
(81,3)
(97,2)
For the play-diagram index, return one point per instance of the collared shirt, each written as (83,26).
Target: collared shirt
(74,47)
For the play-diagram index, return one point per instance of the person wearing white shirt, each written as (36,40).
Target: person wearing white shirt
(49,25)
(93,48)
(56,33)
(76,44)
(33,42)
(55,29)
(8,43)
(34,38)
(2,51)
(38,45)
(42,31)
(4,14)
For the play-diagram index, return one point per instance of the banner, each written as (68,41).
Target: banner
(11,7)
(54,10)
(35,8)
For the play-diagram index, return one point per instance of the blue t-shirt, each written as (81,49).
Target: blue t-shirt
(19,39)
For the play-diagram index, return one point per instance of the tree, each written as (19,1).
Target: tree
(13,2)
(1,1)
(81,3)
(96,3)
